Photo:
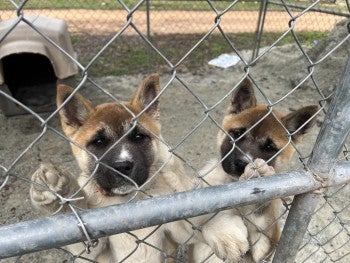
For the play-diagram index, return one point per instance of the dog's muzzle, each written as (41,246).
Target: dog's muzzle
(124,167)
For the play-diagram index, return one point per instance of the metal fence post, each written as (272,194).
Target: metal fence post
(259,28)
(329,142)
(148,19)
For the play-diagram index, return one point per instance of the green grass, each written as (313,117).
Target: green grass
(125,58)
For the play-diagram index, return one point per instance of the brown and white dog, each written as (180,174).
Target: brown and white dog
(121,157)
(250,137)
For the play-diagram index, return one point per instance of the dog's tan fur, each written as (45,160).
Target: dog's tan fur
(262,220)
(89,127)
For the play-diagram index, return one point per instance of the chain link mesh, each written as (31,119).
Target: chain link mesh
(192,108)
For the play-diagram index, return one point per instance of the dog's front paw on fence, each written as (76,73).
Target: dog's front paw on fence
(259,168)
(227,236)
(48,184)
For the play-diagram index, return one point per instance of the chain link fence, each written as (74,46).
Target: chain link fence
(93,23)
(286,79)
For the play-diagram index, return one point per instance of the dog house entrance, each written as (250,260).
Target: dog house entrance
(31,80)
(30,66)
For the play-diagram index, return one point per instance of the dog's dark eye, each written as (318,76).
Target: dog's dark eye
(138,137)
(99,141)
(269,145)
(236,133)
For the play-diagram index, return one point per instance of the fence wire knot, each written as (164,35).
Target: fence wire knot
(64,200)
(91,243)
(323,180)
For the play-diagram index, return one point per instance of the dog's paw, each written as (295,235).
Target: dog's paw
(48,181)
(258,168)
(227,236)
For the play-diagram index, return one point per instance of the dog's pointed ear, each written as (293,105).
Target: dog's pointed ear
(75,111)
(300,118)
(144,98)
(243,97)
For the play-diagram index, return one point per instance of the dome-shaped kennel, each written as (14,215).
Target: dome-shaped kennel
(30,66)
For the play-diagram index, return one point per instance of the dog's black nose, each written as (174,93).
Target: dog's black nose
(124,167)
(240,165)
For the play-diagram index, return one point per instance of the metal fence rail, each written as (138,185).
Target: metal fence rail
(316,225)
(61,230)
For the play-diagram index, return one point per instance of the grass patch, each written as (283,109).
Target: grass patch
(306,38)
(130,55)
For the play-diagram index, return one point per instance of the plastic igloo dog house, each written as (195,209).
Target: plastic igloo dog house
(30,66)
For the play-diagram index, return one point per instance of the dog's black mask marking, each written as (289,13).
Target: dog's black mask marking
(114,172)
(247,148)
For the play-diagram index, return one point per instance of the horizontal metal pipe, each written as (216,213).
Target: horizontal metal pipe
(60,230)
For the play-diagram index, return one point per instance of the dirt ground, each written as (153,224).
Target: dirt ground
(276,73)
(180,22)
